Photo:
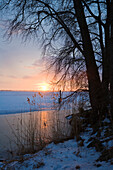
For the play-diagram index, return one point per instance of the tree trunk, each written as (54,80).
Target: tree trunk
(95,86)
(111,56)
(106,59)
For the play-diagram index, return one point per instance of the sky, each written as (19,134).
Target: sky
(21,65)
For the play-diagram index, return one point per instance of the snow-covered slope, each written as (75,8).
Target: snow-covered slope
(63,156)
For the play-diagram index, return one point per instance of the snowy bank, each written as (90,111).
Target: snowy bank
(62,156)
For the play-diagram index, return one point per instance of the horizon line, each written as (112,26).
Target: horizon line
(46,91)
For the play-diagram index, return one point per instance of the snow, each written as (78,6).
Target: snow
(21,101)
(18,101)
(69,117)
(65,156)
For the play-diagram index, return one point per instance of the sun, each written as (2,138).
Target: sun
(44,88)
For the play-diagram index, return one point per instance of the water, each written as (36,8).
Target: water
(45,125)
(17,101)
(30,119)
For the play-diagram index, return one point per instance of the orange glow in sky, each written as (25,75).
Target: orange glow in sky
(43,86)
(22,66)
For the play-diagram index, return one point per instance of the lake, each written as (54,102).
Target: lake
(25,113)
(17,101)
(30,119)
(45,125)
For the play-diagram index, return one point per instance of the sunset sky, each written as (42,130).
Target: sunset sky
(21,67)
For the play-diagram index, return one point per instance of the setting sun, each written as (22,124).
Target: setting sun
(44,88)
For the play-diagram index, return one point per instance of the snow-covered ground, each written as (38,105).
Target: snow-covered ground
(62,156)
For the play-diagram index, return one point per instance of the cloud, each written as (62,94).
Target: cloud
(1,75)
(20,61)
(1,82)
(12,76)
(27,77)
(29,67)
(37,63)
(35,76)
(8,76)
